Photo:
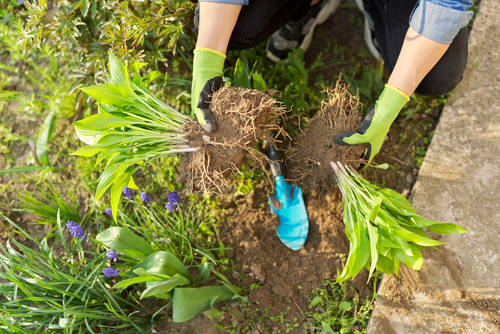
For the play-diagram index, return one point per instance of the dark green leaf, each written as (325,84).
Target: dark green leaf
(164,263)
(241,77)
(161,290)
(189,302)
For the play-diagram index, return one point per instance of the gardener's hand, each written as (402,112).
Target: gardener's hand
(207,79)
(377,122)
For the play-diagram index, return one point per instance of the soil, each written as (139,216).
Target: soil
(243,117)
(285,277)
(313,151)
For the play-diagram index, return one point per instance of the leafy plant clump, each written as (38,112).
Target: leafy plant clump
(315,148)
(134,128)
(382,226)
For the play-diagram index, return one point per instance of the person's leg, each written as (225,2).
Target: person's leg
(261,18)
(391,18)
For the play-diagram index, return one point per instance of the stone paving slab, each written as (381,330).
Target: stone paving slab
(458,288)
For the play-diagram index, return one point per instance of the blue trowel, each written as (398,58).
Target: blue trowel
(288,204)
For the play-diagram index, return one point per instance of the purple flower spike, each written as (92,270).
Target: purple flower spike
(110,272)
(170,207)
(128,192)
(174,197)
(109,212)
(112,254)
(145,198)
(162,240)
(77,231)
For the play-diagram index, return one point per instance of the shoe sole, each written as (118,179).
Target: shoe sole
(328,9)
(367,32)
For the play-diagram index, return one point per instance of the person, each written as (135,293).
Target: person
(423,43)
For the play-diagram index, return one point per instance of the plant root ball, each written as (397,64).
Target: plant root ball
(315,148)
(243,117)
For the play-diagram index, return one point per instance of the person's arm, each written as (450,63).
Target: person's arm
(418,56)
(217,21)
(433,26)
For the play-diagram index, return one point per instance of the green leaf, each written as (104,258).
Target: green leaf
(117,70)
(161,290)
(205,269)
(241,77)
(164,263)
(373,235)
(107,94)
(384,265)
(447,228)
(327,328)
(22,169)
(316,300)
(125,242)
(213,314)
(87,136)
(189,302)
(141,279)
(44,137)
(344,305)
(138,65)
(258,82)
(397,201)
(374,210)
(117,190)
(414,262)
(105,121)
(131,184)
(153,75)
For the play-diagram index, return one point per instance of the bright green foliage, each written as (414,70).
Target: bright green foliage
(333,312)
(382,226)
(142,31)
(45,293)
(166,277)
(132,128)
(370,86)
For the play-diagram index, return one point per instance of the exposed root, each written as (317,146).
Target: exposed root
(243,118)
(315,147)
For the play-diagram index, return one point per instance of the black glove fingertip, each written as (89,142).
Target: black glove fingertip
(211,126)
(339,139)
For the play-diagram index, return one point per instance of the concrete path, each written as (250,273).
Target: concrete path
(458,288)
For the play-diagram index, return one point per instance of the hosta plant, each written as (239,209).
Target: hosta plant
(383,227)
(166,277)
(132,127)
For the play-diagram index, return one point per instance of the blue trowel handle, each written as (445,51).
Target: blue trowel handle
(276,163)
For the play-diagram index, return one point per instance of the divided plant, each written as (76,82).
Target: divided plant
(382,226)
(131,129)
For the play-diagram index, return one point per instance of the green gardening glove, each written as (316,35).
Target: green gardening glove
(377,122)
(207,65)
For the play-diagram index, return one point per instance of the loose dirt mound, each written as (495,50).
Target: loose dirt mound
(243,117)
(289,276)
(315,148)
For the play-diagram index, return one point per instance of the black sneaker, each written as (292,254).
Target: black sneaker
(369,34)
(299,33)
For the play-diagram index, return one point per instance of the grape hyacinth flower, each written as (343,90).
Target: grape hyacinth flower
(173,197)
(77,231)
(112,254)
(170,207)
(109,212)
(110,272)
(145,198)
(128,192)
